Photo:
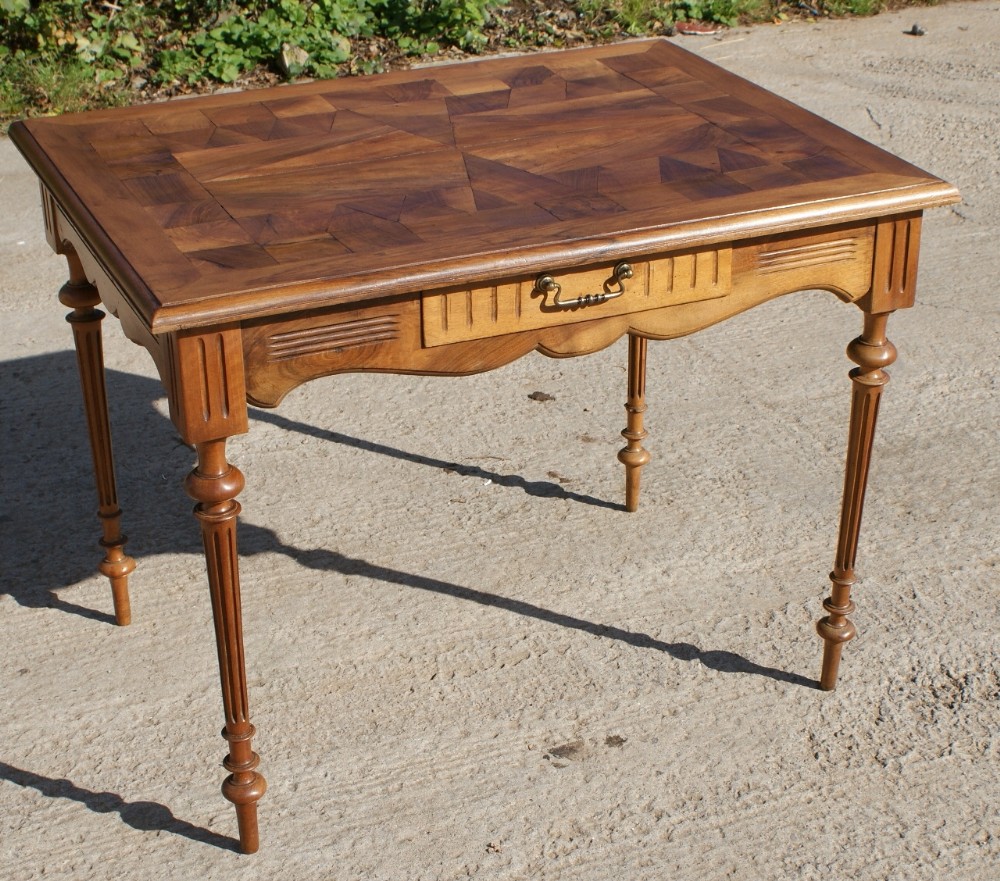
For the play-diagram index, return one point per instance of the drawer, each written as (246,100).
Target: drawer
(557,298)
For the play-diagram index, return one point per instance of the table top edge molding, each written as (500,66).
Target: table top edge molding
(481,268)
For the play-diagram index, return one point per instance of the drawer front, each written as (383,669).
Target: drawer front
(457,315)
(838,260)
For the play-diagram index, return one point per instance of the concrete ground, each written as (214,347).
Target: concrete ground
(464,659)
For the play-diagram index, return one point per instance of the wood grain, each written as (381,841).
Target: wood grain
(872,352)
(81,297)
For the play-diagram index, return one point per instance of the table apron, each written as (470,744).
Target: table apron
(463,330)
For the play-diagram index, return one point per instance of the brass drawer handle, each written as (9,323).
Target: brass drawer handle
(546,284)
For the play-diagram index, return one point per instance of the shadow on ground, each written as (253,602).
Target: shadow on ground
(146,816)
(46,464)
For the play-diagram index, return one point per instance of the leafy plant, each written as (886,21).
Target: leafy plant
(642,16)
(420,27)
(57,55)
(243,41)
(191,40)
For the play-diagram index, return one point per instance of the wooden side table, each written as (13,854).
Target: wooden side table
(449,220)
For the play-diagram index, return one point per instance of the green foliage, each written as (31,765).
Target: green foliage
(187,41)
(57,55)
(50,87)
(852,7)
(269,36)
(723,11)
(643,16)
(636,16)
(419,27)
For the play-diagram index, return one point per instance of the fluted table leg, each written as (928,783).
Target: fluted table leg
(214,484)
(82,297)
(871,352)
(633,455)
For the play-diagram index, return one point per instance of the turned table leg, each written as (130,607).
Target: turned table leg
(81,296)
(214,484)
(633,455)
(871,352)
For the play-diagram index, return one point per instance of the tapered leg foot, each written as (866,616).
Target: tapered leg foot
(244,788)
(871,352)
(116,567)
(85,319)
(246,822)
(836,629)
(214,484)
(633,455)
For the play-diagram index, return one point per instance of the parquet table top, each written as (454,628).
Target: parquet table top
(256,203)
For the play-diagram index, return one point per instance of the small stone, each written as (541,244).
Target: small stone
(293,59)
